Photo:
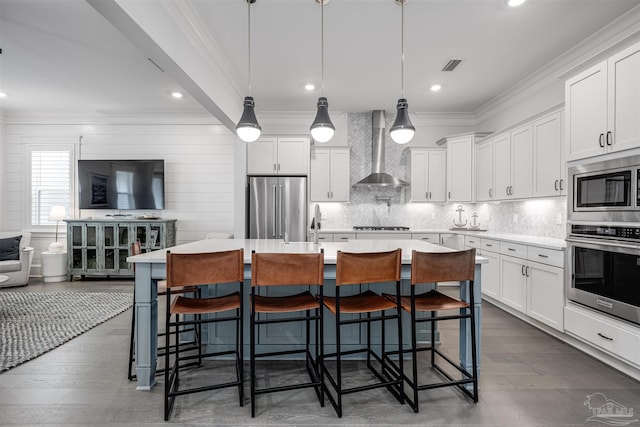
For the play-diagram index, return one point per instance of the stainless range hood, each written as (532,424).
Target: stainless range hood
(378,177)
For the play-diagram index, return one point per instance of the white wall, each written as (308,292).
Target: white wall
(199,171)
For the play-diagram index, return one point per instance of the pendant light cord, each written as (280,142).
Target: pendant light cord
(402,48)
(249,41)
(322,44)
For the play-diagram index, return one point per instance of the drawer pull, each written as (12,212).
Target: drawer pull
(472,241)
(426,238)
(543,256)
(604,337)
(488,244)
(511,249)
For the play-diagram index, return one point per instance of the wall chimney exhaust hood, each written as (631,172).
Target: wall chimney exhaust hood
(378,177)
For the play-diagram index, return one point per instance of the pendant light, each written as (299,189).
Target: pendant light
(248,128)
(322,129)
(402,130)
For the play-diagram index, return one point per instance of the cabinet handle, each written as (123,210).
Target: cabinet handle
(511,249)
(426,238)
(609,138)
(522,270)
(332,194)
(605,337)
(275,167)
(429,195)
(488,244)
(490,195)
(543,256)
(526,271)
(344,238)
(472,241)
(278,166)
(449,194)
(426,195)
(601,140)
(555,185)
(561,181)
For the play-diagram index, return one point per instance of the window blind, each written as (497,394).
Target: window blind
(50,183)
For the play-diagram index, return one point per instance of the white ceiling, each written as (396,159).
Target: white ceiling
(63,56)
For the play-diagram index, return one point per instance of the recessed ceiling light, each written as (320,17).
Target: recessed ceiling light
(309,86)
(176,95)
(3,95)
(514,3)
(435,88)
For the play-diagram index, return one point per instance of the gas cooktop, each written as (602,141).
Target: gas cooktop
(380,228)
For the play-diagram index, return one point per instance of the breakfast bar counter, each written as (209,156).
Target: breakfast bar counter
(151,266)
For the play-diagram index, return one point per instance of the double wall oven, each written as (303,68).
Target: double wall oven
(603,237)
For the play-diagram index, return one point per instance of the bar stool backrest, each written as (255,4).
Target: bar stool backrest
(205,268)
(287,269)
(430,267)
(368,267)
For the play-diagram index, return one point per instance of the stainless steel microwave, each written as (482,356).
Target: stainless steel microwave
(605,191)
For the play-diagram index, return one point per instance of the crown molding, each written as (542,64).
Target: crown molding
(425,119)
(599,45)
(128,117)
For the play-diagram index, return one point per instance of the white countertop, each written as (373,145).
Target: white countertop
(544,242)
(278,246)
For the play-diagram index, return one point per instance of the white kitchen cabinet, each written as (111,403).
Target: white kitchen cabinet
(382,236)
(484,171)
(512,164)
(278,156)
(605,332)
(513,282)
(427,237)
(427,175)
(549,171)
(461,165)
(343,237)
(329,176)
(490,274)
(603,106)
(532,281)
(545,294)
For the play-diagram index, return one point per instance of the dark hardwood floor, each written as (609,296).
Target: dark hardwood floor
(528,379)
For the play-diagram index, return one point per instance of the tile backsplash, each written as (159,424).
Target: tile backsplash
(540,217)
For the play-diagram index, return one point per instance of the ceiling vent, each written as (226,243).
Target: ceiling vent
(451,65)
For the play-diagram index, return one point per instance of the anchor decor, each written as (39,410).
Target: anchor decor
(475,225)
(460,224)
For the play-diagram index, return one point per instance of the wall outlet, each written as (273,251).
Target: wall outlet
(515,217)
(433,215)
(559,219)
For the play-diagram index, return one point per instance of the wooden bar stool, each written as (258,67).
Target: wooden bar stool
(434,268)
(278,269)
(356,269)
(184,346)
(200,269)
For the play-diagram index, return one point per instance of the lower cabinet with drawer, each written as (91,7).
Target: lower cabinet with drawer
(532,287)
(614,336)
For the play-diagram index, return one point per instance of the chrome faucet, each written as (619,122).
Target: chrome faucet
(317,217)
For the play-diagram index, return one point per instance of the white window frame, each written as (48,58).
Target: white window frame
(71,212)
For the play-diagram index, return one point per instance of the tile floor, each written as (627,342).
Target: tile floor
(528,379)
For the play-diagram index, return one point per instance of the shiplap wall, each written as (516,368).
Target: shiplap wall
(199,172)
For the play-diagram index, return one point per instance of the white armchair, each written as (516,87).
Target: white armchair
(17,270)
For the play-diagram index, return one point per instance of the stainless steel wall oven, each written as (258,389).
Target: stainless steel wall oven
(603,237)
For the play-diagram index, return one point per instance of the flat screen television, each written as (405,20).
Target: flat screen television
(121,184)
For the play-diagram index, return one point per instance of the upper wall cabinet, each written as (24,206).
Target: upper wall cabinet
(278,156)
(484,171)
(460,165)
(522,163)
(427,175)
(329,178)
(603,106)
(549,172)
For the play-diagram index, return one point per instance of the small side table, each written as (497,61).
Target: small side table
(54,266)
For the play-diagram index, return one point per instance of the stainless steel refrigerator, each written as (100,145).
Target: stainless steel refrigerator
(278,205)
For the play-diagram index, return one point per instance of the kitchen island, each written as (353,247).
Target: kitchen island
(151,266)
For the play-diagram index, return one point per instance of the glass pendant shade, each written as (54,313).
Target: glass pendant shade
(248,128)
(322,129)
(402,130)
